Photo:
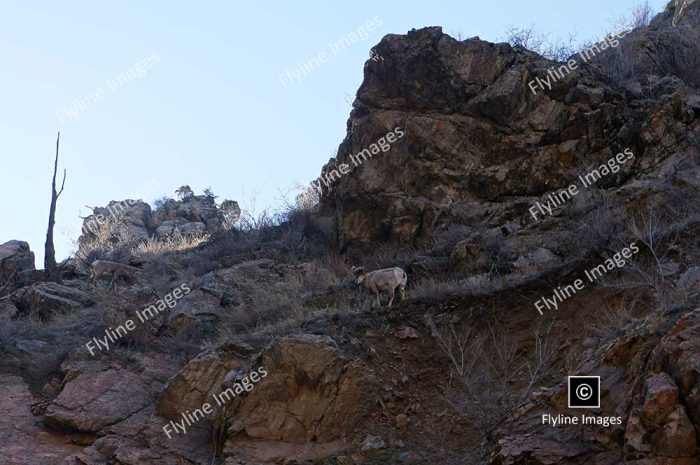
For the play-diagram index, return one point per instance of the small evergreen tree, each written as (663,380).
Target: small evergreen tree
(184,192)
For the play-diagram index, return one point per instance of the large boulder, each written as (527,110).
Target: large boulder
(133,214)
(201,379)
(312,397)
(133,220)
(195,209)
(307,397)
(97,396)
(15,258)
(46,300)
(96,399)
(479,147)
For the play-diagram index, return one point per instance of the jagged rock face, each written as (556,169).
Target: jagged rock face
(16,259)
(480,146)
(45,300)
(648,378)
(192,216)
(97,396)
(312,397)
(678,7)
(203,377)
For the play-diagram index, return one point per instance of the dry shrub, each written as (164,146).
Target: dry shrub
(264,304)
(54,339)
(446,237)
(656,232)
(492,375)
(390,255)
(184,344)
(542,44)
(432,289)
(640,15)
(110,240)
(612,319)
(177,242)
(619,64)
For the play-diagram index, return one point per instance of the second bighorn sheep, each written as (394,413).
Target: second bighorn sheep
(385,280)
(103,268)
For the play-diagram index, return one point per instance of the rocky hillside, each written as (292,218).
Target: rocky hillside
(546,214)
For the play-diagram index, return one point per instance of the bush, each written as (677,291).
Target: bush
(640,15)
(110,240)
(174,243)
(534,41)
(492,374)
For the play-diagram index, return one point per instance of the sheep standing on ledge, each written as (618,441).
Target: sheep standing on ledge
(103,268)
(385,280)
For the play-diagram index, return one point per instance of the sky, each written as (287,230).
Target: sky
(150,96)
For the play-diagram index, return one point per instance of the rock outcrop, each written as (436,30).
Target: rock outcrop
(16,265)
(95,399)
(474,149)
(309,399)
(649,381)
(480,147)
(194,215)
(45,300)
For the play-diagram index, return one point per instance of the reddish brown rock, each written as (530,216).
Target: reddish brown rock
(15,258)
(312,397)
(94,400)
(22,440)
(201,379)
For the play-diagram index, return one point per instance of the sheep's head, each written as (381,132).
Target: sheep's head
(359,272)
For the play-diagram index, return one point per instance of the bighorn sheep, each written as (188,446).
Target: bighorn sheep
(103,268)
(386,280)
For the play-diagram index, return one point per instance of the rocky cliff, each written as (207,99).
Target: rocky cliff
(497,179)
(480,146)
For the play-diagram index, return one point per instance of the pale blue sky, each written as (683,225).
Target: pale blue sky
(209,109)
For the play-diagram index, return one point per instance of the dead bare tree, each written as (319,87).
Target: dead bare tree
(50,266)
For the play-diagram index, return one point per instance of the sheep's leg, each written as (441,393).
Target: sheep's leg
(402,292)
(373,289)
(115,278)
(391,296)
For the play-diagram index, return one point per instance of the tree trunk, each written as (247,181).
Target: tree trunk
(50,267)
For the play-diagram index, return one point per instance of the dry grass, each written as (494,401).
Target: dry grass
(50,342)
(177,242)
(435,289)
(110,240)
(492,376)
(612,319)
